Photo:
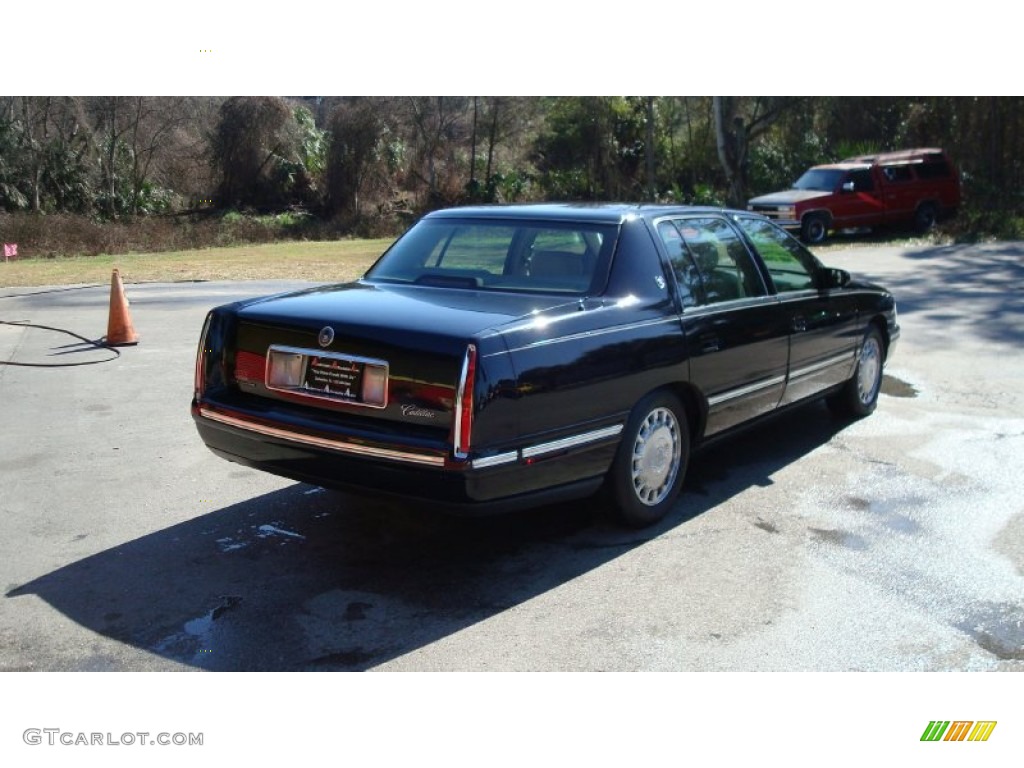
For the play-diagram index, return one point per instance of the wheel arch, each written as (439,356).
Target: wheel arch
(878,321)
(694,405)
(822,212)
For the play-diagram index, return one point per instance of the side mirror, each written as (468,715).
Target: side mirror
(848,186)
(835,278)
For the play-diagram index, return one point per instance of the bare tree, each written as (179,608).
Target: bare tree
(35,123)
(110,125)
(151,121)
(438,128)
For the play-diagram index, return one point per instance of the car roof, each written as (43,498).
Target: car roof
(900,156)
(566,211)
(843,166)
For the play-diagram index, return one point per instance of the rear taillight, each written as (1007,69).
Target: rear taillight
(201,357)
(250,368)
(464,404)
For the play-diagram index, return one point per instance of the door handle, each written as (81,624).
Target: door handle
(710,345)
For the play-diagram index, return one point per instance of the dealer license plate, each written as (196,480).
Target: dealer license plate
(356,380)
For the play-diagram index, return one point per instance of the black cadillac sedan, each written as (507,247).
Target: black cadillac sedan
(505,356)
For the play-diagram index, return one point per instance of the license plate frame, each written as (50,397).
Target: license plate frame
(332,376)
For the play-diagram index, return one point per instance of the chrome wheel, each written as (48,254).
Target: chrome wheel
(869,369)
(656,457)
(647,474)
(859,395)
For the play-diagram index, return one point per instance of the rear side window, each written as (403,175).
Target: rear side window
(896,174)
(691,292)
(722,263)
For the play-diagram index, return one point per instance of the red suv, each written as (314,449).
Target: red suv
(912,186)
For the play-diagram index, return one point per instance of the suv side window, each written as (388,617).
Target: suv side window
(934,169)
(897,173)
(725,267)
(791,266)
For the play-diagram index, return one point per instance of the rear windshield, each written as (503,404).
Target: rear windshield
(501,255)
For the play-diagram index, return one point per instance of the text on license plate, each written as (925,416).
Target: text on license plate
(357,380)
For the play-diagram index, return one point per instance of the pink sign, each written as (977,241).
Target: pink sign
(10,251)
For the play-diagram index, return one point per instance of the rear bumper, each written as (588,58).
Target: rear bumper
(410,472)
(258,428)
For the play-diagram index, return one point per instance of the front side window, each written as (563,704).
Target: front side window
(790,265)
(862,180)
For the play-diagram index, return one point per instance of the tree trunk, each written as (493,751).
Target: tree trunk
(649,148)
(111,151)
(732,150)
(492,136)
(472,151)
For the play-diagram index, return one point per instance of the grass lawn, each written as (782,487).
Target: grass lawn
(333,261)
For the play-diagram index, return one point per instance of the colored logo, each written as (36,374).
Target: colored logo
(958,730)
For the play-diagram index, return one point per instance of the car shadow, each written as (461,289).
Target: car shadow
(984,277)
(306,579)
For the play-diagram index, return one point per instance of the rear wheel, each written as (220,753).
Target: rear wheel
(859,395)
(649,467)
(814,228)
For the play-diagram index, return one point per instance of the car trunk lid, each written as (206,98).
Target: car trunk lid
(340,339)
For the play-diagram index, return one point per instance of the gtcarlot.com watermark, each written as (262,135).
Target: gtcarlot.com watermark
(57,736)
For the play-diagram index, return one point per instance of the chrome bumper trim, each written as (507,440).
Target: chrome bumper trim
(846,357)
(340,446)
(747,390)
(496,460)
(570,442)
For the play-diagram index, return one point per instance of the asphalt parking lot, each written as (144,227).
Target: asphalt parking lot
(893,543)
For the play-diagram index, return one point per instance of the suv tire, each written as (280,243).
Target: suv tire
(814,228)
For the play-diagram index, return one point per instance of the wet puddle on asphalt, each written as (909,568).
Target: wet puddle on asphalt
(998,628)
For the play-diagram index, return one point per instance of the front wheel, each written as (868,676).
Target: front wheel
(814,229)
(649,467)
(859,395)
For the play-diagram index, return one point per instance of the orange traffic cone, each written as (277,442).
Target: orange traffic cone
(120,331)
